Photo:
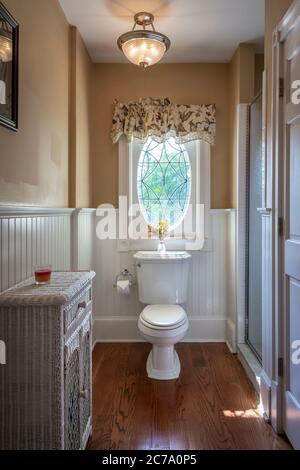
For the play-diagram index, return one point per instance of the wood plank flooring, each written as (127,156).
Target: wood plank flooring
(211,406)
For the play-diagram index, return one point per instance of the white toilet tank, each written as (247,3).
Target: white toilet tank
(162,277)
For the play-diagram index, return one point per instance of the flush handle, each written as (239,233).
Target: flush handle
(138,265)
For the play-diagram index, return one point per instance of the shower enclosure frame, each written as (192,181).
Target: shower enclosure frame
(247,238)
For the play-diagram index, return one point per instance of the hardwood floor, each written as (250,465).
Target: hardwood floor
(211,406)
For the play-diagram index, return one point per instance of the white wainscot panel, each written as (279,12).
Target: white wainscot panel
(208,295)
(36,236)
(83,239)
(30,237)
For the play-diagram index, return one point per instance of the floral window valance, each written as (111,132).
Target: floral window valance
(162,119)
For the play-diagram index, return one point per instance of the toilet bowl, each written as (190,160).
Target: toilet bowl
(163,326)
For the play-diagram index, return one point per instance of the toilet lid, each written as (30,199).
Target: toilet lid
(163,315)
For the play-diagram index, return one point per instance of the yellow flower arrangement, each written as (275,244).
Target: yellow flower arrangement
(162,229)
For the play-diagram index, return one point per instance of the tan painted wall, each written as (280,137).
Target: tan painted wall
(259,68)
(241,90)
(34,161)
(182,83)
(275,10)
(80,123)
(234,99)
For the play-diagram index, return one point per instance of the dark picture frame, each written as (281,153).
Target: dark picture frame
(9,118)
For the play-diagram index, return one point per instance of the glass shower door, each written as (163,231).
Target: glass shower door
(255,178)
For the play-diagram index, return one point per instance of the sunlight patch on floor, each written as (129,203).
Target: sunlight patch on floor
(252,413)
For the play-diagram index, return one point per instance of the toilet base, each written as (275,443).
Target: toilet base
(163,363)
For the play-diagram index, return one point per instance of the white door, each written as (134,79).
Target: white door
(291,71)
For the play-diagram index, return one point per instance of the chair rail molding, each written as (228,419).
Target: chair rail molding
(14,211)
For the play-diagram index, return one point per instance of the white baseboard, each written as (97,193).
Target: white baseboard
(230,348)
(125,329)
(251,365)
(231,335)
(265,394)
(276,406)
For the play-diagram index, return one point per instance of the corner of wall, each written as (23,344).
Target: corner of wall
(241,90)
(80,135)
(72,115)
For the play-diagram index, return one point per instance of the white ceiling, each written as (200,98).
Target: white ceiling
(199,30)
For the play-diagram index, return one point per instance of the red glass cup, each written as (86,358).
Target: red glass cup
(42,274)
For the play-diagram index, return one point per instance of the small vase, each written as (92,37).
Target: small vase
(161,247)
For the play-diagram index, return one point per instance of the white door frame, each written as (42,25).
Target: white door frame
(278,183)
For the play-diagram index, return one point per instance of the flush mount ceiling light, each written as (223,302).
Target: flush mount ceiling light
(144,47)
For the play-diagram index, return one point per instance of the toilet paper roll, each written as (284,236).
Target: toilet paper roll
(123,287)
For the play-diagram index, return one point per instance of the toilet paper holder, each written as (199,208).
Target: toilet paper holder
(125,275)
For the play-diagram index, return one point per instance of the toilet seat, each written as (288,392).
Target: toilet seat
(163,317)
(163,326)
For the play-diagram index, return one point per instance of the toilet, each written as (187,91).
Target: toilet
(162,285)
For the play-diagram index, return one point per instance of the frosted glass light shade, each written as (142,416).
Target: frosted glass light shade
(144,51)
(143,47)
(5,49)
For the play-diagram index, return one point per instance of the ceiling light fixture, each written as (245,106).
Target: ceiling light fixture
(144,47)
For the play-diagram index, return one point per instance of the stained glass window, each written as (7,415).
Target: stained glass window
(164,182)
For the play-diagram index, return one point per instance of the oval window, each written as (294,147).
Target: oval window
(164,182)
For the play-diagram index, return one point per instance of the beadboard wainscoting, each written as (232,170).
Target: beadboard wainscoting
(83,239)
(211,288)
(66,238)
(33,236)
(30,236)
(231,279)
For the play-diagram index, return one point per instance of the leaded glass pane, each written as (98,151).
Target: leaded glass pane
(164,182)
